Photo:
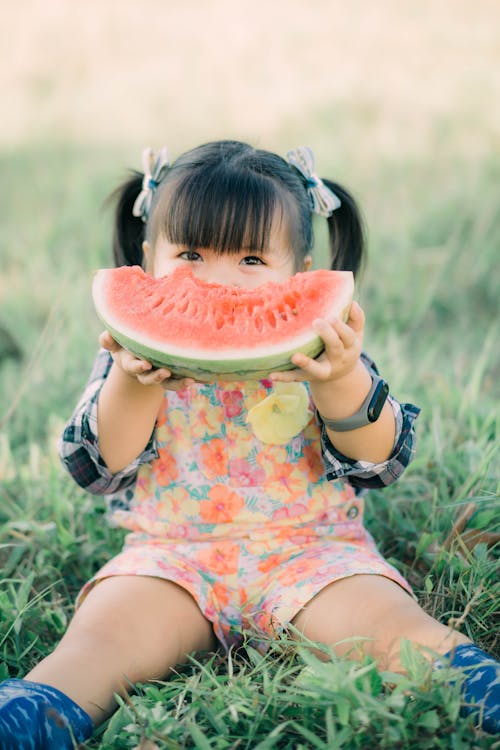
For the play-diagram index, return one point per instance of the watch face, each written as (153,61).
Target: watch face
(377,401)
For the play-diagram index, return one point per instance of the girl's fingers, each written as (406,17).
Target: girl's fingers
(133,365)
(288,376)
(107,342)
(163,377)
(143,370)
(332,335)
(347,335)
(317,369)
(338,335)
(155,377)
(307,368)
(356,317)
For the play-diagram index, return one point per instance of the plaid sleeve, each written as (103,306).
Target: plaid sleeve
(78,445)
(364,474)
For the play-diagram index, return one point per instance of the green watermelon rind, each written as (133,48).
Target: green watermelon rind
(220,369)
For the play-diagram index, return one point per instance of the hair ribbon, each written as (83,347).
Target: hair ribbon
(323,200)
(155,168)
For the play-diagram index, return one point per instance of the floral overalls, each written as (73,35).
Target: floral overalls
(253,531)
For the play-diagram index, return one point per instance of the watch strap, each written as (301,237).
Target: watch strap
(368,412)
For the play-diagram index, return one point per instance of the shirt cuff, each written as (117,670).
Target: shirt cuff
(366,474)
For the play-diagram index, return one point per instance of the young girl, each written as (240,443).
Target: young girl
(227,532)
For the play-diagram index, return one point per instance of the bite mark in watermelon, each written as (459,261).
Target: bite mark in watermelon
(212,331)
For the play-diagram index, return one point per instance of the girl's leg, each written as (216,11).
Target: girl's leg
(128,629)
(376,608)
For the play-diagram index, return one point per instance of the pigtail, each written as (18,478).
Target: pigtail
(346,231)
(128,230)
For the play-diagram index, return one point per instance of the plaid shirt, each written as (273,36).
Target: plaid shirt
(78,447)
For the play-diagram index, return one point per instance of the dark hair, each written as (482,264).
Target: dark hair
(225,195)
(128,230)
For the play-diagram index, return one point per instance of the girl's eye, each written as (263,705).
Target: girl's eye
(190,255)
(252,260)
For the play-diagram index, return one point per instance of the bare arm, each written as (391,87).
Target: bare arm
(128,405)
(126,414)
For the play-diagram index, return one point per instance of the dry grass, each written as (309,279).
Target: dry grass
(386,77)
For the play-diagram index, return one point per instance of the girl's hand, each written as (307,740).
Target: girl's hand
(141,369)
(343,344)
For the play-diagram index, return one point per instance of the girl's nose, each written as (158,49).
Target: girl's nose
(217,273)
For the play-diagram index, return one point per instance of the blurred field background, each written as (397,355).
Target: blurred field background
(401,103)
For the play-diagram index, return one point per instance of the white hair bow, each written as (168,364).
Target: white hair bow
(155,168)
(323,200)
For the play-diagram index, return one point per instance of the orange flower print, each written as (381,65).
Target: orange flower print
(272,457)
(272,562)
(299,571)
(311,463)
(286,483)
(243,596)
(267,623)
(214,461)
(283,474)
(222,506)
(221,593)
(214,457)
(221,558)
(165,468)
(232,401)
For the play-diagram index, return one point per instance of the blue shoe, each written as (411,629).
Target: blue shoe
(39,717)
(481,685)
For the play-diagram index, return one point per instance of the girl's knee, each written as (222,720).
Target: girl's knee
(372,616)
(145,623)
(94,632)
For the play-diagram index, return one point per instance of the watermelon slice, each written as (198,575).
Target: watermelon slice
(201,330)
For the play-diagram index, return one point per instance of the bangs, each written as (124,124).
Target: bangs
(218,208)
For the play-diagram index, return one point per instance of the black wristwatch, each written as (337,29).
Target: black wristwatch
(369,410)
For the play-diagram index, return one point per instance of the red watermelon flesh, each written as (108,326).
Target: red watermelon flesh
(202,329)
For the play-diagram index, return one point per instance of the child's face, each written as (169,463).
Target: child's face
(245,269)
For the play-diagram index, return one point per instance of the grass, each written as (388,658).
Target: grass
(431,297)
